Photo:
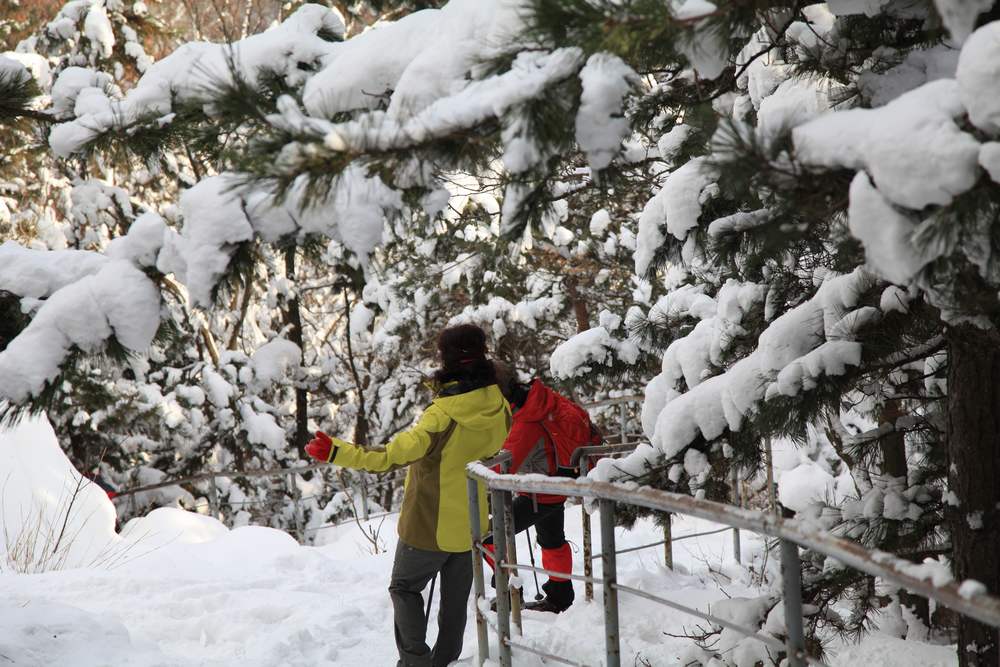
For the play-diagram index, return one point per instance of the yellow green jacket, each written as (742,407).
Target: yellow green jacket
(453,431)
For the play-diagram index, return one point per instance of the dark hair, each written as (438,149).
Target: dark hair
(463,358)
(517,394)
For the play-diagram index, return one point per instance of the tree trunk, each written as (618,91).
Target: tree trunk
(893,449)
(893,446)
(580,309)
(293,317)
(974,476)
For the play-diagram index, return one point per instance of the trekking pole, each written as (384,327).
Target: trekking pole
(531,554)
(427,613)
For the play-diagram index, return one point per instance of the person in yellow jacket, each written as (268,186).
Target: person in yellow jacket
(467,421)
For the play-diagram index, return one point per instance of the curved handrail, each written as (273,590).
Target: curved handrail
(501,458)
(602,450)
(905,574)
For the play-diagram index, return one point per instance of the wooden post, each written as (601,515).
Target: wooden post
(622,422)
(478,579)
(503,587)
(515,591)
(588,549)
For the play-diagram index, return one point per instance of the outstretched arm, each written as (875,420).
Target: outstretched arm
(405,448)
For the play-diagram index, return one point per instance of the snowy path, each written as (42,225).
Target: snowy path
(253,597)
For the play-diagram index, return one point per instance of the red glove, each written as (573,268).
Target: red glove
(321,447)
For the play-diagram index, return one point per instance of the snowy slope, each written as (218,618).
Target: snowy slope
(185,590)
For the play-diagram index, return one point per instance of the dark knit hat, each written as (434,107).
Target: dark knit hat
(462,344)
(463,358)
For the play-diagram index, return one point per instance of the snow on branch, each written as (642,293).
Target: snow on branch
(674,209)
(978,70)
(530,74)
(498,311)
(88,300)
(218,217)
(423,57)
(920,164)
(894,143)
(191,75)
(595,346)
(798,348)
(22,77)
(600,124)
(36,274)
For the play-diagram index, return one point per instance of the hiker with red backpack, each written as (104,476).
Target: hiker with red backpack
(546,430)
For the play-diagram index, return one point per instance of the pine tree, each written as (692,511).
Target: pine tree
(808,193)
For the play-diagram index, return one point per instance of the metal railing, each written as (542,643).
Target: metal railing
(790,533)
(582,460)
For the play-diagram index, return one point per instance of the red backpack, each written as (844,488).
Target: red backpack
(569,428)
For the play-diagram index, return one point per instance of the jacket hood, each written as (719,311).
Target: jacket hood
(540,402)
(477,409)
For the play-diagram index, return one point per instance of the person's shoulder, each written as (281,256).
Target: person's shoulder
(433,419)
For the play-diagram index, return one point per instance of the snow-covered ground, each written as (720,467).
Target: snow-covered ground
(181,589)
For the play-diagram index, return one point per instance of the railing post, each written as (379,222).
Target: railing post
(515,591)
(791,581)
(503,588)
(668,544)
(609,577)
(478,579)
(738,502)
(588,549)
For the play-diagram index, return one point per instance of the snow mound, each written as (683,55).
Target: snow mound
(40,492)
(71,635)
(171,525)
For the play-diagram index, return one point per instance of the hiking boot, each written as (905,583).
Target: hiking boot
(559,593)
(545,605)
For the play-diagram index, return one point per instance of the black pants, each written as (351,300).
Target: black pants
(548,520)
(412,570)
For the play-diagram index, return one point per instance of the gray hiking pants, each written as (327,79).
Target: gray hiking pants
(412,570)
